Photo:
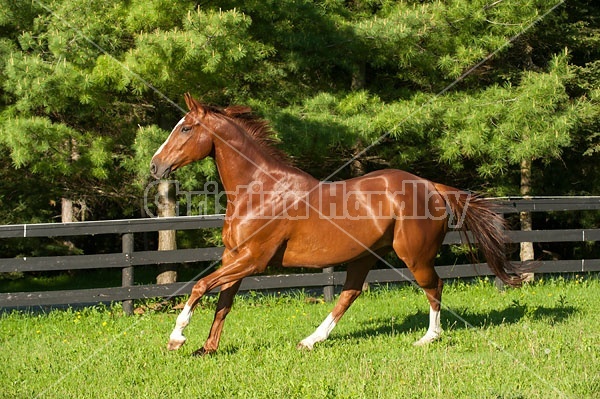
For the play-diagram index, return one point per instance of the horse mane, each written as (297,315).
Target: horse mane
(258,129)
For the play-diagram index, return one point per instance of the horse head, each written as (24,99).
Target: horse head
(189,141)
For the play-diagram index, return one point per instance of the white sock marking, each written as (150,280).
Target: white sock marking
(435,329)
(182,321)
(320,334)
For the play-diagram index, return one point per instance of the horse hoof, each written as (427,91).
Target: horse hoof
(422,342)
(201,352)
(303,346)
(427,339)
(175,344)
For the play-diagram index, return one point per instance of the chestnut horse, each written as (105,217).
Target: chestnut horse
(277,214)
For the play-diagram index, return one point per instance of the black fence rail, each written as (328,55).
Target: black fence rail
(128,259)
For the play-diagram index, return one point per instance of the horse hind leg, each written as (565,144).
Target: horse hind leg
(430,282)
(356,274)
(425,275)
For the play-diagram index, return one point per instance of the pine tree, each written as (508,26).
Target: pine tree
(88,90)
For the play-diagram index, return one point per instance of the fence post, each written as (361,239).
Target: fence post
(497,282)
(328,289)
(127,272)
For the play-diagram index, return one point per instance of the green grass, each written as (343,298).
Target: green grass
(541,341)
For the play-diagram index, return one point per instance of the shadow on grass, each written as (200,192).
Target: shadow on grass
(232,349)
(462,319)
(419,321)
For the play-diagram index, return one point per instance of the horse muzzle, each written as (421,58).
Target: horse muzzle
(159,171)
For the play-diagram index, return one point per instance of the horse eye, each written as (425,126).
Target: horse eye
(186,129)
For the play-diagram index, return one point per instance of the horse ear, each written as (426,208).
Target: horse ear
(237,110)
(192,104)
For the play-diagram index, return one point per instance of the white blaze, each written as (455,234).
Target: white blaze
(172,131)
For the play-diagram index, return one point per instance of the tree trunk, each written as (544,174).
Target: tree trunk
(67,216)
(166,238)
(357,168)
(359,77)
(527,253)
(66,210)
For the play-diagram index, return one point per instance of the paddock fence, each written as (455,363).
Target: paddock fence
(128,259)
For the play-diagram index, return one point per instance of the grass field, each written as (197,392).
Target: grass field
(541,341)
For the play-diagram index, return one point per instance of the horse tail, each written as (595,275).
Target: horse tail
(475,214)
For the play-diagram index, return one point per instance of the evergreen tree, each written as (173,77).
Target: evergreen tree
(88,90)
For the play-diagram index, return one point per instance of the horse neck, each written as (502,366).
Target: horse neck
(242,161)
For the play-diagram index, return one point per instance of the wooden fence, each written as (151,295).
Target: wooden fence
(128,259)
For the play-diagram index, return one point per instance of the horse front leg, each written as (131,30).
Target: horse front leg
(233,269)
(177,339)
(224,304)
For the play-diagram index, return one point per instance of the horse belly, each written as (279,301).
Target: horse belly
(326,244)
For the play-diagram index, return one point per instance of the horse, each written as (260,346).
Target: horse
(277,214)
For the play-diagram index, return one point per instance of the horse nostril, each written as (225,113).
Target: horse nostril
(153,168)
